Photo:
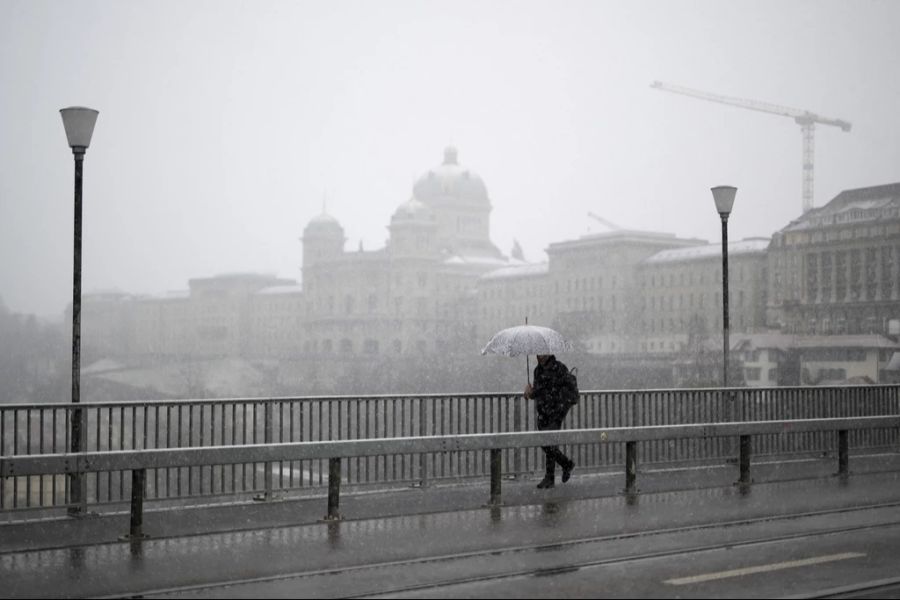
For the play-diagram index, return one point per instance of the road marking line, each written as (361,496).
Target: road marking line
(791,564)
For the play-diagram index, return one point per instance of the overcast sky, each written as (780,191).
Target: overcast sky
(223,124)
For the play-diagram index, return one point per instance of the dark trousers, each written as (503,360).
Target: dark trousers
(552,454)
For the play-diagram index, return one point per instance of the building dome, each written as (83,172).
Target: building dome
(450,181)
(412,211)
(323,224)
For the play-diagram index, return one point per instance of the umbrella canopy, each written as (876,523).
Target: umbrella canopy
(527,339)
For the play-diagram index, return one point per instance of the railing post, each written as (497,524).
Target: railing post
(843,453)
(78,480)
(423,458)
(334,489)
(630,467)
(729,416)
(268,429)
(136,525)
(269,439)
(496,472)
(517,424)
(745,460)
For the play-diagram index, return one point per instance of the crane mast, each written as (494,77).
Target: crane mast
(806,119)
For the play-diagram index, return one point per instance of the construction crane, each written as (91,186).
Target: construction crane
(806,119)
(606,222)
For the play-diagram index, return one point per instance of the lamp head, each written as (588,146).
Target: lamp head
(79,123)
(724,197)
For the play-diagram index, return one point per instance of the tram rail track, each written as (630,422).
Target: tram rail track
(350,570)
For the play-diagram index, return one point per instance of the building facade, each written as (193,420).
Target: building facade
(440,285)
(681,294)
(415,295)
(836,269)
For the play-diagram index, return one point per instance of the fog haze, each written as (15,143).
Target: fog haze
(224,125)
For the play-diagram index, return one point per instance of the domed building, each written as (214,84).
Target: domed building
(415,295)
(461,208)
(323,238)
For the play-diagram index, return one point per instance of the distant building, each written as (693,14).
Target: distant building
(218,317)
(836,269)
(415,295)
(769,359)
(507,296)
(837,359)
(810,306)
(782,359)
(681,294)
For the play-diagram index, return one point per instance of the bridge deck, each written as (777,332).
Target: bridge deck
(194,546)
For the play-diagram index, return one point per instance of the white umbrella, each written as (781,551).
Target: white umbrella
(527,339)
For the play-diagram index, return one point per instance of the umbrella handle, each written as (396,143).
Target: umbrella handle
(527,363)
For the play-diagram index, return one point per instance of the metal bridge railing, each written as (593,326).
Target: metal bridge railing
(44,429)
(339,452)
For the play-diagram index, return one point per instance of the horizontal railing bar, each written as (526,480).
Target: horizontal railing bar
(116,460)
(257,399)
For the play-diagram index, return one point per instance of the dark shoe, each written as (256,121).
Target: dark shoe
(567,472)
(546,482)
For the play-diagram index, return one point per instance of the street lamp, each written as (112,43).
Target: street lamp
(724,197)
(79,123)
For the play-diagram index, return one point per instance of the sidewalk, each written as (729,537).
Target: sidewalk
(168,522)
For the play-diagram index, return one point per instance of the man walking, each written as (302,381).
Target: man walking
(550,381)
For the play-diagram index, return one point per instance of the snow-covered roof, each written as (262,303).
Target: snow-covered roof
(476,260)
(748,246)
(845,341)
(103,365)
(169,295)
(280,289)
(780,341)
(522,270)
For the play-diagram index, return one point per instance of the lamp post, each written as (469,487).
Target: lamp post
(79,124)
(724,198)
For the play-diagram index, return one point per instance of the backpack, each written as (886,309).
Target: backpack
(570,387)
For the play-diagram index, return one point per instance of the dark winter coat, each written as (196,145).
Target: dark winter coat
(547,391)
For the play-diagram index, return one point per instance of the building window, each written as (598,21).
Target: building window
(855,274)
(871,273)
(826,277)
(346,346)
(752,373)
(833,374)
(370,346)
